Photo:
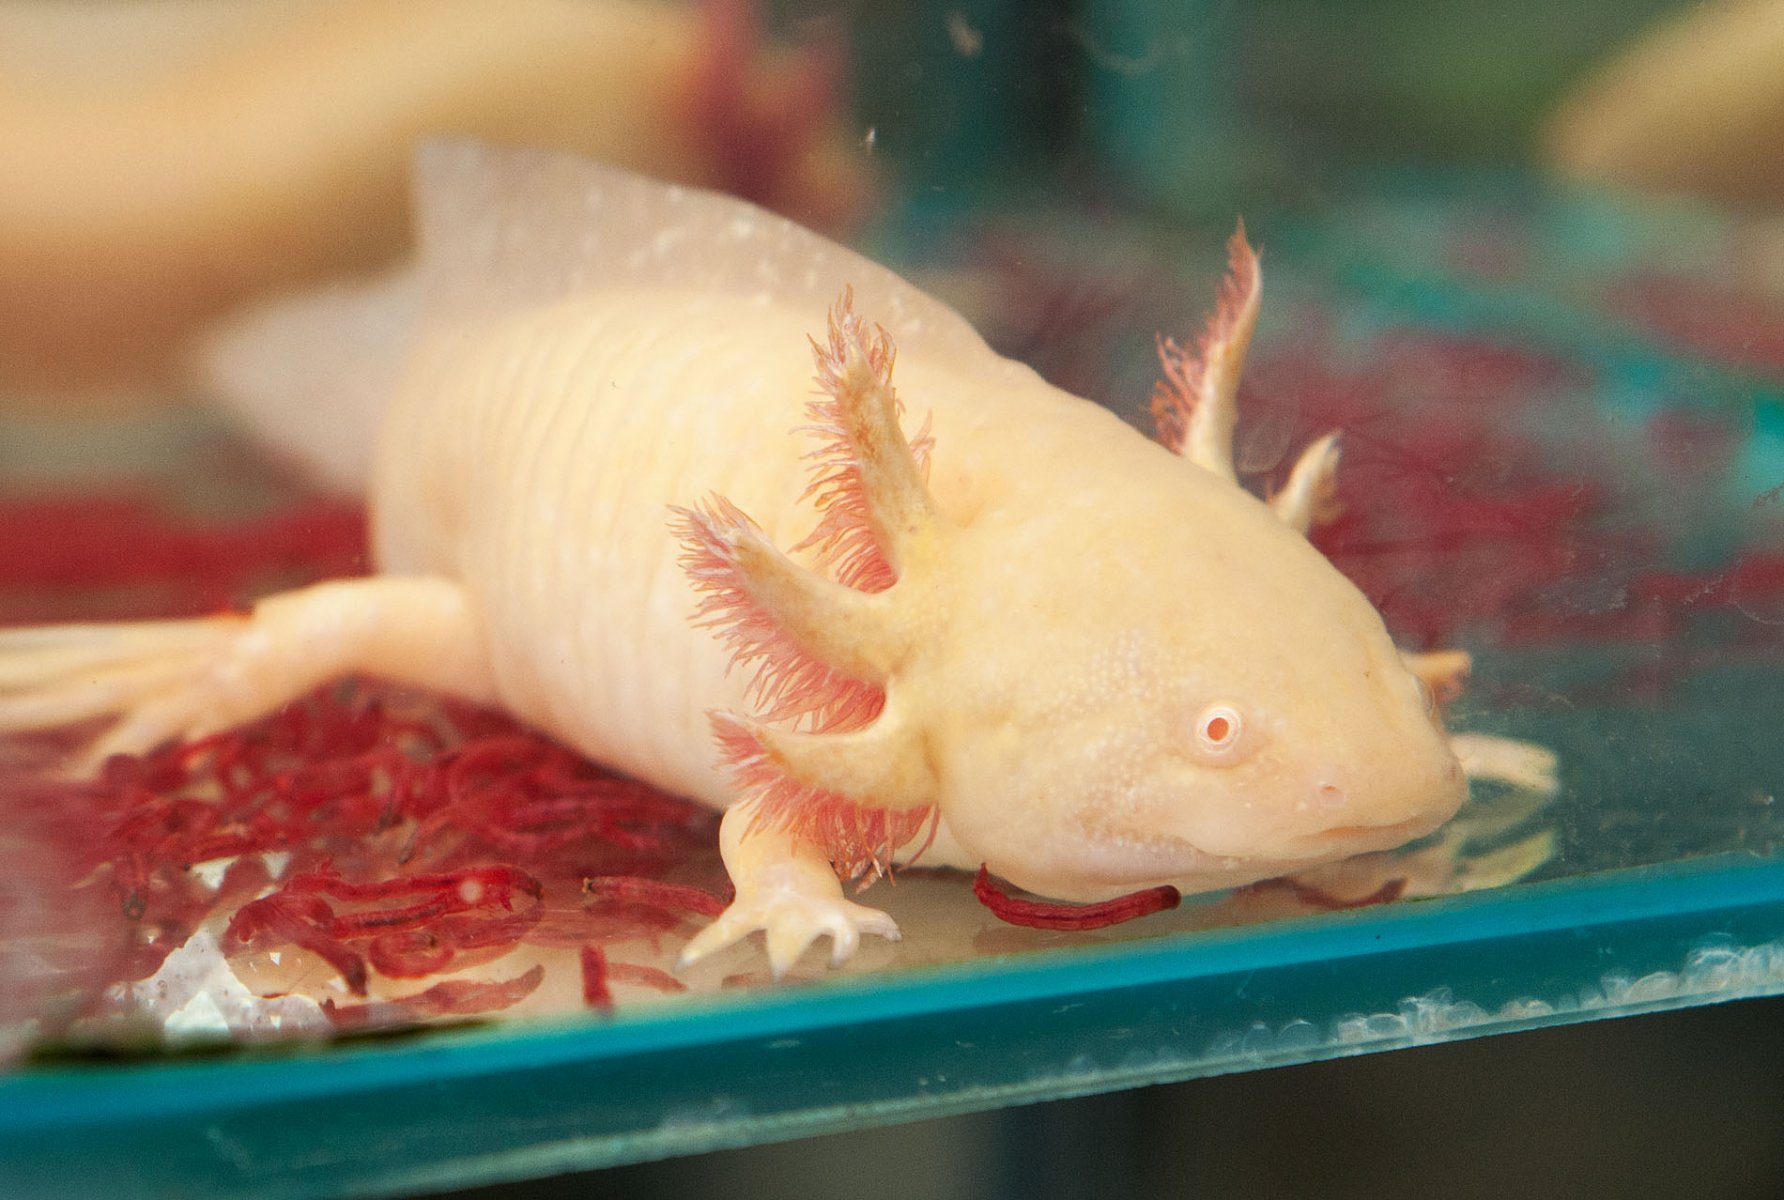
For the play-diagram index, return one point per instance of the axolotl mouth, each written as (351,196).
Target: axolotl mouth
(1109,864)
(1352,836)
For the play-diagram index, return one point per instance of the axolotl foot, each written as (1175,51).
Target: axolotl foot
(787,888)
(793,920)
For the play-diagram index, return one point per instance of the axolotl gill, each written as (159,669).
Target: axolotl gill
(1002,629)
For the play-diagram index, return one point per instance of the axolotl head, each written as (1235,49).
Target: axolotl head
(1104,666)
(1160,682)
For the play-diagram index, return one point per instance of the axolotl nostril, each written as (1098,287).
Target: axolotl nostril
(1001,629)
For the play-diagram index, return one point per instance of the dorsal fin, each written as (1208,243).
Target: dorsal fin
(503,229)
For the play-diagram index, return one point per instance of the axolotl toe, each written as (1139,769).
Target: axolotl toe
(1003,628)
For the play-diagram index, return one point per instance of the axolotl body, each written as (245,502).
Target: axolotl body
(1017,633)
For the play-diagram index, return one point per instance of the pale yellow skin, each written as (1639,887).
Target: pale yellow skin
(1076,605)
(1695,104)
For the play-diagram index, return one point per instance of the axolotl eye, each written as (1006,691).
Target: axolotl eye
(1219,734)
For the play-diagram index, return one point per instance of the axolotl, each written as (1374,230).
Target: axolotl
(1004,629)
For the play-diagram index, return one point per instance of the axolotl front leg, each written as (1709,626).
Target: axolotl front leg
(833,770)
(785,886)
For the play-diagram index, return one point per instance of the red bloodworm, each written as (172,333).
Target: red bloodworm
(301,921)
(256,837)
(453,997)
(475,933)
(643,976)
(493,752)
(496,884)
(349,964)
(547,810)
(472,996)
(408,955)
(612,922)
(595,992)
(466,887)
(1038,914)
(619,837)
(649,891)
(390,919)
(277,911)
(525,845)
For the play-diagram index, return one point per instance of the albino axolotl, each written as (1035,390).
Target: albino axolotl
(1008,631)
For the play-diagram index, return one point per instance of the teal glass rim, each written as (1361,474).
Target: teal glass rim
(59,1094)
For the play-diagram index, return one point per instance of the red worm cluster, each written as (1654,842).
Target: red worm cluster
(418,838)
(381,833)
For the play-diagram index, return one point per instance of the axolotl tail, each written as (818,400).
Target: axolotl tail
(309,375)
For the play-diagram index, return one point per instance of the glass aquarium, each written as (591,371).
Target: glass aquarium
(1525,260)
